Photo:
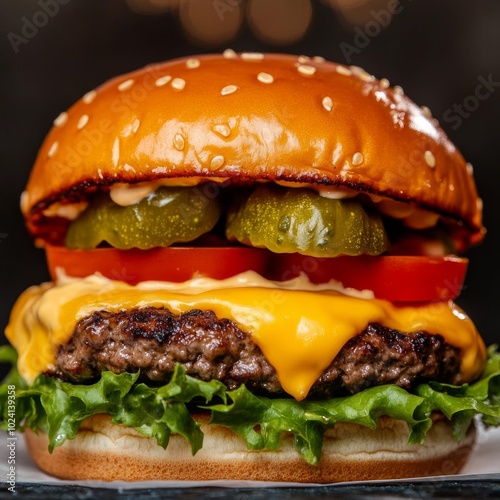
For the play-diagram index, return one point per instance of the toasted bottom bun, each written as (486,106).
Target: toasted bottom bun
(351,452)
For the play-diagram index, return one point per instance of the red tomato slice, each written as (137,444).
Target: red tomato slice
(392,277)
(174,264)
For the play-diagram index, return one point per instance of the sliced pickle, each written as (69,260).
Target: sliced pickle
(166,216)
(300,220)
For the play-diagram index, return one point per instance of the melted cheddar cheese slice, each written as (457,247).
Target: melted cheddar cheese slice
(299,327)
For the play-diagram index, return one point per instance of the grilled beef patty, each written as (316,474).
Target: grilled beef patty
(153,340)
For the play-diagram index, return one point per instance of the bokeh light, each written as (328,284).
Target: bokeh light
(211,22)
(279,22)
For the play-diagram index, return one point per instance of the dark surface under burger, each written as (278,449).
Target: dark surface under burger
(154,340)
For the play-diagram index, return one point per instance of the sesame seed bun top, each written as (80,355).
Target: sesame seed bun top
(252,117)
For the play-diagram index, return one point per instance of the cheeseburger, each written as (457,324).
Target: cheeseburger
(254,262)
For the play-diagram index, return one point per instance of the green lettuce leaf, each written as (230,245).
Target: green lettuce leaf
(58,408)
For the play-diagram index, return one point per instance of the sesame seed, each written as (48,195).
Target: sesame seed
(135,125)
(342,70)
(306,70)
(303,59)
(319,59)
(127,130)
(61,119)
(163,80)
(426,111)
(223,130)
(178,83)
(366,77)
(116,152)
(126,85)
(451,187)
(217,162)
(159,170)
(229,89)
(89,97)
(470,169)
(24,201)
(361,73)
(265,78)
(229,54)
(84,119)
(252,56)
(193,63)
(178,142)
(384,83)
(430,159)
(53,149)
(357,159)
(479,204)
(128,168)
(399,90)
(327,103)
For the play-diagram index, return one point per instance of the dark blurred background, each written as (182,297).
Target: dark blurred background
(445,55)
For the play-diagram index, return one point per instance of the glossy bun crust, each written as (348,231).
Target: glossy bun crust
(351,452)
(251,117)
